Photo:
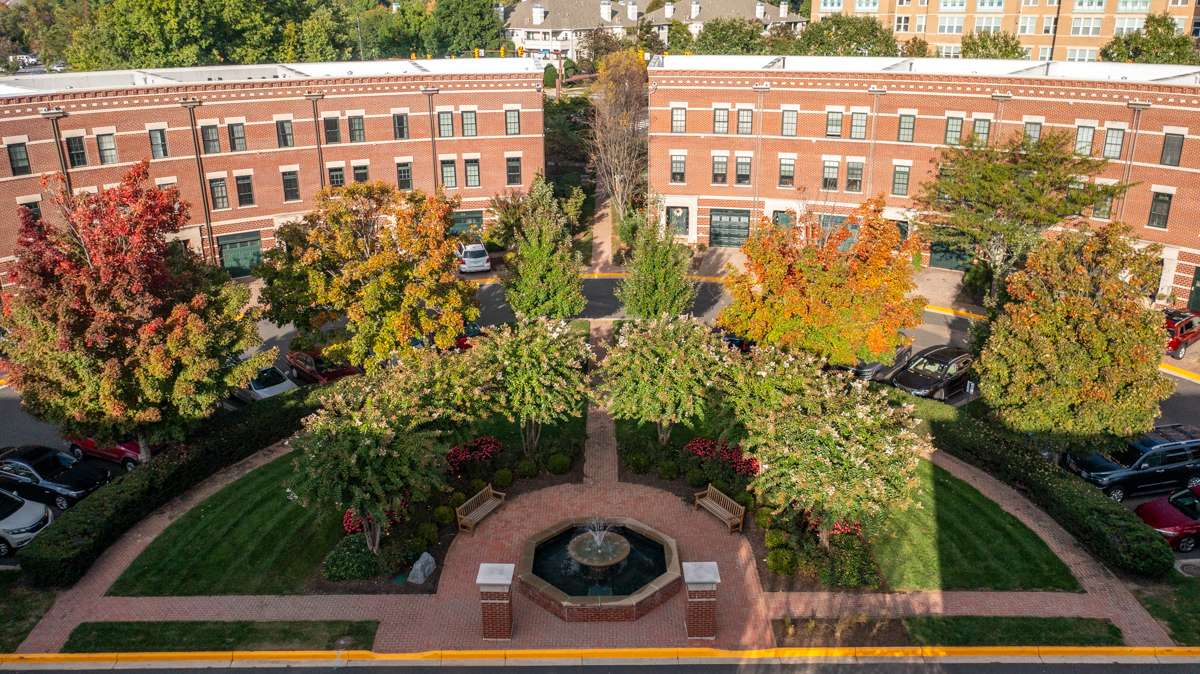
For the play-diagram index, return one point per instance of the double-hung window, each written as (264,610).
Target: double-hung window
(745,121)
(291,185)
(829,176)
(1172,149)
(219,193)
(720,120)
(283,133)
(787,172)
(854,176)
(981,130)
(512,122)
(678,168)
(858,125)
(512,171)
(445,124)
(900,175)
(361,173)
(908,123)
(106,143)
(245,190)
(449,174)
(237,137)
(333,130)
(471,172)
(954,127)
(720,170)
(469,126)
(400,126)
(833,123)
(678,120)
(789,122)
(209,139)
(358,131)
(404,177)
(1033,131)
(1160,210)
(1114,139)
(18,159)
(337,176)
(76,152)
(742,170)
(1083,140)
(158,144)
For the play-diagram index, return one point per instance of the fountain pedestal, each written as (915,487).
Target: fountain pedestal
(598,551)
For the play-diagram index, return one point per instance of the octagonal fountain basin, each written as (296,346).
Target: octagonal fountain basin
(599,569)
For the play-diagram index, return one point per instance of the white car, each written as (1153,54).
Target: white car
(20,521)
(473,257)
(268,382)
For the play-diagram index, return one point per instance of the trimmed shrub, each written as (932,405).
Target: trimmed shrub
(777,538)
(696,478)
(850,564)
(457,498)
(638,462)
(443,515)
(398,553)
(526,469)
(427,534)
(782,562)
(744,499)
(558,464)
(350,559)
(503,479)
(668,469)
(476,486)
(763,518)
(65,550)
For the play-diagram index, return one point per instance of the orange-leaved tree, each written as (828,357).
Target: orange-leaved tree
(843,297)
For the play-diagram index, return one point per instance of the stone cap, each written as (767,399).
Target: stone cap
(495,574)
(701,573)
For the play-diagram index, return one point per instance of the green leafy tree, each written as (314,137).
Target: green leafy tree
(1076,350)
(915,48)
(661,372)
(646,38)
(381,261)
(762,385)
(1158,41)
(998,199)
(838,453)
(781,39)
(535,374)
(730,36)
(355,453)
(842,35)
(657,284)
(989,45)
(545,278)
(595,46)
(115,330)
(679,38)
(458,26)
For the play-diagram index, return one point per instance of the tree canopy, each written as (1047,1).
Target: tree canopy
(730,36)
(657,284)
(617,142)
(842,35)
(992,45)
(545,271)
(1076,350)
(1158,41)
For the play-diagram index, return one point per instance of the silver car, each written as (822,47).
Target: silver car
(20,521)
(268,382)
(473,257)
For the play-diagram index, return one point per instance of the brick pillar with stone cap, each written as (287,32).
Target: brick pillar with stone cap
(495,597)
(701,579)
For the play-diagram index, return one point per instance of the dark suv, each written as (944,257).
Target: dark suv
(1165,458)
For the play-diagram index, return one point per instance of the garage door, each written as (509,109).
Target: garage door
(946,256)
(728,227)
(240,252)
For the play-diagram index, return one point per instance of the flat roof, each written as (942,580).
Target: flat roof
(1061,70)
(51,83)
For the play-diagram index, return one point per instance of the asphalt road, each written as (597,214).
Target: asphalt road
(874,668)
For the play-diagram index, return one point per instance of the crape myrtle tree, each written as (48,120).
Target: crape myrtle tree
(113,328)
(535,374)
(997,200)
(1076,349)
(617,141)
(836,454)
(545,270)
(762,385)
(657,284)
(843,300)
(381,261)
(661,372)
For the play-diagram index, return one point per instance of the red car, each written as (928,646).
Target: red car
(311,367)
(1176,517)
(1183,330)
(124,452)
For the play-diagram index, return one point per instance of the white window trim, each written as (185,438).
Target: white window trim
(29,199)
(289,167)
(719,153)
(512,106)
(91,189)
(744,153)
(447,157)
(831,157)
(860,160)
(678,152)
(1034,119)
(835,108)
(955,113)
(335,164)
(165,180)
(330,114)
(11,140)
(1164,189)
(907,111)
(472,155)
(1124,126)
(902,162)
(1181,130)
(1106,181)
(793,107)
(282,117)
(74,133)
(152,126)
(213,175)
(243,172)
(983,115)
(860,108)
(356,113)
(399,111)
(787,155)
(514,154)
(199,122)
(402,160)
(360,162)
(678,104)
(744,106)
(1087,122)
(235,120)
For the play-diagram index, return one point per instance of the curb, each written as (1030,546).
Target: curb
(603,656)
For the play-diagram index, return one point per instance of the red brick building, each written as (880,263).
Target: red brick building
(734,138)
(249,146)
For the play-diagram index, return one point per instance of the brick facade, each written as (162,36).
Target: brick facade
(497,614)
(701,612)
(133,105)
(841,124)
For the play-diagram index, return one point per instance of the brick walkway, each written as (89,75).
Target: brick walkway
(602,236)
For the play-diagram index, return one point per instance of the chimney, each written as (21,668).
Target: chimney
(539,14)
(669,10)
(633,10)
(760,10)
(695,9)
(606,11)
(783,9)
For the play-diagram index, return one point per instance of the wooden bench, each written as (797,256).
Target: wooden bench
(726,509)
(478,507)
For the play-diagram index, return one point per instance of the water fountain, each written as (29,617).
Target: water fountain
(599,548)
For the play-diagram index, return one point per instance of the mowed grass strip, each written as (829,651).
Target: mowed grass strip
(159,636)
(21,607)
(247,538)
(997,631)
(958,539)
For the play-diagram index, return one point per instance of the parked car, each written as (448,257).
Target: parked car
(1183,330)
(473,257)
(878,371)
(1176,517)
(938,372)
(733,341)
(20,521)
(268,382)
(1167,457)
(471,330)
(310,366)
(125,452)
(49,476)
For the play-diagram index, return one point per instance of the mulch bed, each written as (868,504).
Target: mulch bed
(769,581)
(848,631)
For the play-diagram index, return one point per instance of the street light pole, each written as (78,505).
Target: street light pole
(761,89)
(875,92)
(313,97)
(1000,98)
(55,114)
(1137,107)
(210,250)
(430,92)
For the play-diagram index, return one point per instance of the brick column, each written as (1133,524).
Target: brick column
(495,597)
(701,579)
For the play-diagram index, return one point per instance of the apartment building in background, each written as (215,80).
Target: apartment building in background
(248,147)
(1060,30)
(557,27)
(734,139)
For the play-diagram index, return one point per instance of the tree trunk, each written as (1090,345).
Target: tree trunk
(997,261)
(374,532)
(143,449)
(664,432)
(531,433)
(824,534)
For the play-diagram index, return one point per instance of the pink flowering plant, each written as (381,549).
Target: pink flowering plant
(473,455)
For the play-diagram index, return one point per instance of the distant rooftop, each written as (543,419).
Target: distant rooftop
(1062,70)
(52,83)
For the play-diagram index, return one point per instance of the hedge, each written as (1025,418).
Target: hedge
(63,553)
(1112,532)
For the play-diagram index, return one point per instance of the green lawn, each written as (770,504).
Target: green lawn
(989,631)
(125,637)
(247,538)
(957,539)
(1174,603)
(22,607)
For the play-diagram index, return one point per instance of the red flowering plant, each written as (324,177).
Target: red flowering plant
(352,523)
(719,451)
(474,454)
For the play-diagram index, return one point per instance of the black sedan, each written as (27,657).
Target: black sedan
(46,475)
(939,372)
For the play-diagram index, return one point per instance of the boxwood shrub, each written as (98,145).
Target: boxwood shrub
(64,552)
(1112,532)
